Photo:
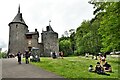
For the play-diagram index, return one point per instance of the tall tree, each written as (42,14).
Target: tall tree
(87,38)
(65,46)
(108,14)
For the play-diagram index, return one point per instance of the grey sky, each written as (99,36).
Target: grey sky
(64,15)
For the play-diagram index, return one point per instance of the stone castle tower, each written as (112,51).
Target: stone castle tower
(50,40)
(17,30)
(20,39)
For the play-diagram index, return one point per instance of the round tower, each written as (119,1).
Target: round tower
(17,30)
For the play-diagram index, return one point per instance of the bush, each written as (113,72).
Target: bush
(3,55)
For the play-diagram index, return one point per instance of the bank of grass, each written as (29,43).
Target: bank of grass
(76,67)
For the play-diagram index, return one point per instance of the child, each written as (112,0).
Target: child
(90,69)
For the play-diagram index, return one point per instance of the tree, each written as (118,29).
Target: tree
(108,15)
(87,38)
(65,46)
(72,39)
(3,54)
(81,37)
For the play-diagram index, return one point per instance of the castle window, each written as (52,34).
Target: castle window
(16,25)
(29,36)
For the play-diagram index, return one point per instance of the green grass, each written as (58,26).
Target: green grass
(76,67)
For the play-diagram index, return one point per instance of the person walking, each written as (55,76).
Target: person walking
(19,57)
(27,55)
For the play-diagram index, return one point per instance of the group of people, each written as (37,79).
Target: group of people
(26,55)
(54,55)
(101,67)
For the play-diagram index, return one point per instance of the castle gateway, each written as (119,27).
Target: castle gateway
(20,39)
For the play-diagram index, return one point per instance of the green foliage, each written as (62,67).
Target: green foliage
(107,13)
(100,34)
(72,40)
(87,38)
(81,37)
(110,28)
(76,67)
(3,55)
(65,46)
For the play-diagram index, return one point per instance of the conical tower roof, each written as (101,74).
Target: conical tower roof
(18,17)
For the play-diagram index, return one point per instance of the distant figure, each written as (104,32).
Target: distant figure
(19,57)
(107,67)
(27,55)
(62,54)
(56,54)
(53,55)
(90,69)
(59,54)
(86,55)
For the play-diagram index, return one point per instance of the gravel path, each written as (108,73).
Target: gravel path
(11,69)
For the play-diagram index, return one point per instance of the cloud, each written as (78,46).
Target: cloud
(2,44)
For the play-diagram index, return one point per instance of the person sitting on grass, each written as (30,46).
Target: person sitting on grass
(102,60)
(99,69)
(90,69)
(107,67)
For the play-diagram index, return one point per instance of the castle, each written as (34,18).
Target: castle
(20,39)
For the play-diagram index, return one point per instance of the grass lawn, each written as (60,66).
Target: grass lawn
(76,67)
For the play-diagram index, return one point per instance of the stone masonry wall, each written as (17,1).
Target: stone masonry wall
(50,42)
(17,39)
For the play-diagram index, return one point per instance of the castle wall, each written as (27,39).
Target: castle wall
(34,41)
(17,39)
(50,42)
(41,51)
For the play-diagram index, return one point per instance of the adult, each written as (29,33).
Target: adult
(54,55)
(59,54)
(27,55)
(19,57)
(99,69)
(62,54)
(51,54)
(107,67)
(102,59)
